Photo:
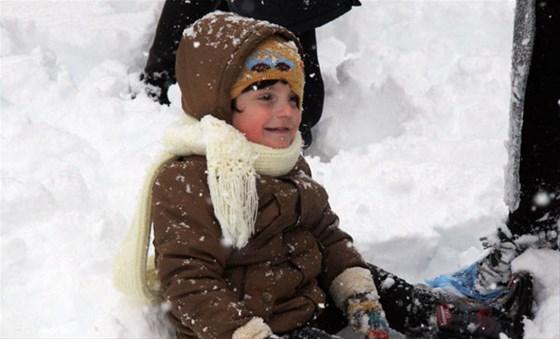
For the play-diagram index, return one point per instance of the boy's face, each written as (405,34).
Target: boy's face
(268,116)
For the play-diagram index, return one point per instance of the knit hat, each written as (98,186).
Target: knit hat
(212,54)
(273,59)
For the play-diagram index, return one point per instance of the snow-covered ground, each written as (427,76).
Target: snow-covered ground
(410,148)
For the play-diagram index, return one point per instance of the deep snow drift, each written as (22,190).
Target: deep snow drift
(410,148)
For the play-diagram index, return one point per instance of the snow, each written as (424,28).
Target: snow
(410,149)
(544,264)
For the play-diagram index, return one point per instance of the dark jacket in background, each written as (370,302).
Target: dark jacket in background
(297,16)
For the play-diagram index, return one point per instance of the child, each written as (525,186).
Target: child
(246,243)
(300,16)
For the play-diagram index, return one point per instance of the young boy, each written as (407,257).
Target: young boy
(301,17)
(246,243)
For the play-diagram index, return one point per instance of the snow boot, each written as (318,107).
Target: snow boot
(458,317)
(494,270)
(486,279)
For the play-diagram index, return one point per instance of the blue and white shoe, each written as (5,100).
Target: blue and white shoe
(486,279)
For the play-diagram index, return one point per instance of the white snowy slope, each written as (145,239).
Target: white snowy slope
(410,148)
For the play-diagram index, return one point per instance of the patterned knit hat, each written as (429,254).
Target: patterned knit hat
(274,59)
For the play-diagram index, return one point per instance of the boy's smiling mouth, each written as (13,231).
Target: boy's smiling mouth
(282,134)
(278,129)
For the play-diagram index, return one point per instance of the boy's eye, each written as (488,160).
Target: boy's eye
(295,99)
(265,97)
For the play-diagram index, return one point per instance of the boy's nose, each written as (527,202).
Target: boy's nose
(285,109)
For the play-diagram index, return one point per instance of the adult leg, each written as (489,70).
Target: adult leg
(176,15)
(534,178)
(539,166)
(314,90)
(535,209)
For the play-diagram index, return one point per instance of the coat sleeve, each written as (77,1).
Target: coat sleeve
(339,253)
(189,255)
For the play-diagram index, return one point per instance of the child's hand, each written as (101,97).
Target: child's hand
(366,316)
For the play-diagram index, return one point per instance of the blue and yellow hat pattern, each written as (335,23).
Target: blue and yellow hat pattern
(273,59)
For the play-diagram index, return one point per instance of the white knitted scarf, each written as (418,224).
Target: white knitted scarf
(233,164)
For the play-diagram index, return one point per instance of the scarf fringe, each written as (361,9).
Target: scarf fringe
(233,166)
(232,180)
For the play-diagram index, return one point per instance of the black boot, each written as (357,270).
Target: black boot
(494,270)
(486,279)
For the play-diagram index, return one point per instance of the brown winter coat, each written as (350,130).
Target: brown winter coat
(280,276)
(297,249)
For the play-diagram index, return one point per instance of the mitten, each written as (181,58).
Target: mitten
(366,316)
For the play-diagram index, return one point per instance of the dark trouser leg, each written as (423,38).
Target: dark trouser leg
(539,171)
(331,319)
(310,332)
(421,312)
(407,307)
(314,90)
(176,15)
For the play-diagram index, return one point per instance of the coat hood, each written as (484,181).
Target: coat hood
(210,58)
